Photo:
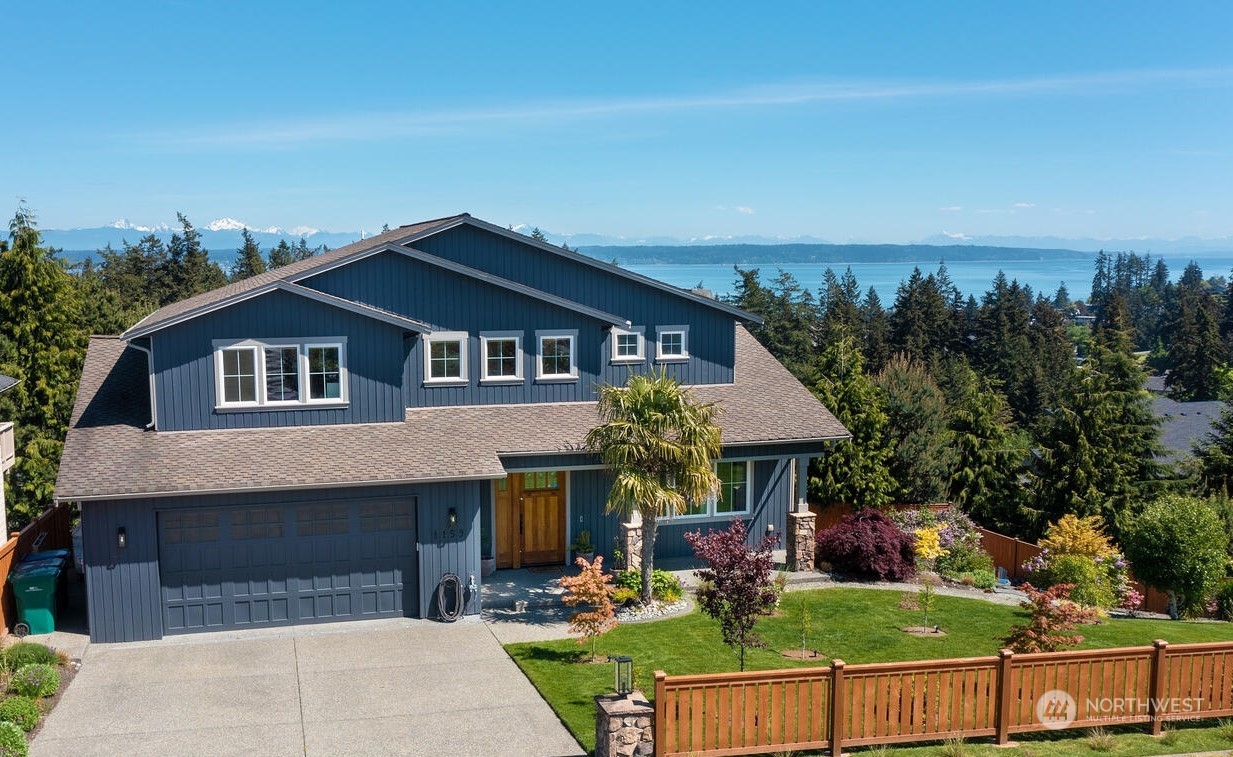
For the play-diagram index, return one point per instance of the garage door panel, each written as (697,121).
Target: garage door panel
(286,564)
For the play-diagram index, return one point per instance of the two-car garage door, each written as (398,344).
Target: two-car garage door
(255,566)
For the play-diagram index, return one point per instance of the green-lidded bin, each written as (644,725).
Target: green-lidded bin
(35,589)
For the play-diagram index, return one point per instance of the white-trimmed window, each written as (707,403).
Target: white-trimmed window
(252,373)
(671,343)
(733,495)
(502,357)
(445,358)
(628,345)
(557,358)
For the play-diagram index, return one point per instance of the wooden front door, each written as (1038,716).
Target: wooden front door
(530,514)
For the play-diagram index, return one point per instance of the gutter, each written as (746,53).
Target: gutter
(153,424)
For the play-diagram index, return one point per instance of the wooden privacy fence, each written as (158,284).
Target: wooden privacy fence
(51,530)
(886,703)
(1011,553)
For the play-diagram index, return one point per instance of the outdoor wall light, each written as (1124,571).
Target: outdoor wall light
(623,674)
(453,517)
(121,538)
(770,528)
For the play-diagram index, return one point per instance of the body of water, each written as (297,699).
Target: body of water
(971,277)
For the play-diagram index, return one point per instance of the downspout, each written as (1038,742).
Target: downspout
(153,424)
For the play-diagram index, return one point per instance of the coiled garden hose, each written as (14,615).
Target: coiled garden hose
(460,600)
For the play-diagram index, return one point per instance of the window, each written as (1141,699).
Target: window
(324,372)
(239,371)
(256,374)
(672,343)
(627,346)
(733,496)
(557,356)
(502,356)
(445,358)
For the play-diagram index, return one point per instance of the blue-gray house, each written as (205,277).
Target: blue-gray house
(327,440)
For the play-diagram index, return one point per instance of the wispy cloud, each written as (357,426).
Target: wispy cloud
(959,235)
(951,209)
(404,124)
(1023,205)
(744,210)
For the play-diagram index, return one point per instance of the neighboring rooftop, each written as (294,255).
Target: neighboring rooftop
(1184,424)
(108,453)
(7,382)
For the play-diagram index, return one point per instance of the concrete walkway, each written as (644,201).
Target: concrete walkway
(399,687)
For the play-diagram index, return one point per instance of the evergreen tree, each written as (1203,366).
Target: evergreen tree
(1061,298)
(922,457)
(1196,351)
(988,454)
(875,331)
(839,303)
(1051,363)
(790,318)
(854,472)
(1099,449)
(538,235)
(926,317)
(41,345)
(249,263)
(1214,454)
(1001,350)
(303,252)
(281,254)
(191,272)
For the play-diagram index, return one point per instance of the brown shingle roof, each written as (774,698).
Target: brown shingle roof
(108,452)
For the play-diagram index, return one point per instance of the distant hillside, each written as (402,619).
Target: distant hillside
(832,254)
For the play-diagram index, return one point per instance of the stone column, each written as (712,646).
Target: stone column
(624,726)
(800,541)
(631,541)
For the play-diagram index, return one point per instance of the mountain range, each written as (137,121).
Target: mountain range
(223,237)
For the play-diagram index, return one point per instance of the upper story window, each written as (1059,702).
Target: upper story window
(733,496)
(445,358)
(256,374)
(502,352)
(672,343)
(627,346)
(557,358)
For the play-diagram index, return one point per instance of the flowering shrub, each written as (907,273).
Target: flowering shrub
(868,544)
(958,540)
(929,543)
(35,680)
(1077,552)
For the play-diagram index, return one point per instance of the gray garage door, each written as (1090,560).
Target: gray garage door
(248,567)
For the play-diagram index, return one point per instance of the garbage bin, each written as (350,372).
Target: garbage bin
(58,556)
(36,589)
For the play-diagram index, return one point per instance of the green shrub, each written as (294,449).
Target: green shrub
(664,585)
(1179,545)
(23,712)
(35,680)
(27,652)
(13,741)
(981,579)
(960,559)
(1224,600)
(1091,584)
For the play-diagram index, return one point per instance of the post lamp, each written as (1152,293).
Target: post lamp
(623,669)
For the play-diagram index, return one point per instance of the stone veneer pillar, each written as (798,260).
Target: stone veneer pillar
(624,726)
(800,541)
(631,542)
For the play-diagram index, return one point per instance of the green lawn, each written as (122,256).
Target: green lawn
(856,625)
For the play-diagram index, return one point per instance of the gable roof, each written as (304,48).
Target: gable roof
(108,453)
(7,382)
(400,240)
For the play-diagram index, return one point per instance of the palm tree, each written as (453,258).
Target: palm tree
(658,441)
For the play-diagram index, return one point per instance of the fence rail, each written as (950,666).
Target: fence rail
(887,703)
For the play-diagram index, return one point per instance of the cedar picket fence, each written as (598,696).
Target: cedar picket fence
(51,530)
(889,703)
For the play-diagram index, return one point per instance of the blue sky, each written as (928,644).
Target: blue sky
(883,122)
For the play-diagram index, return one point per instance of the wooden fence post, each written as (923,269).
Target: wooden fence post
(838,708)
(661,714)
(1005,656)
(1156,686)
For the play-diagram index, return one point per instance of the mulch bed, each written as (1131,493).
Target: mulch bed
(925,632)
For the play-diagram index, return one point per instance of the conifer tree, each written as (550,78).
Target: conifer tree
(249,263)
(853,472)
(917,431)
(281,254)
(875,332)
(41,345)
(1195,348)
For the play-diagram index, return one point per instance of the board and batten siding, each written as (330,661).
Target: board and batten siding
(448,301)
(123,587)
(185,373)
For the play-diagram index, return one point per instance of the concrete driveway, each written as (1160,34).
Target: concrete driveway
(400,687)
